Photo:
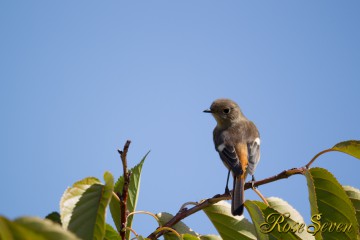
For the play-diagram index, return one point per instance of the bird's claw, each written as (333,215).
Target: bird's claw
(253,182)
(227,191)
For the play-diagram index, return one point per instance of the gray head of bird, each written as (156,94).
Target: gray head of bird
(225,111)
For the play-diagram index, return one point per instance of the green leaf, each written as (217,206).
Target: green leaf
(55,217)
(274,221)
(258,218)
(83,207)
(188,236)
(329,206)
(133,193)
(180,227)
(111,233)
(351,147)
(6,230)
(13,231)
(354,196)
(295,219)
(32,228)
(229,226)
(210,237)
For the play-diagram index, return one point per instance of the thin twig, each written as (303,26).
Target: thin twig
(125,190)
(183,213)
(282,175)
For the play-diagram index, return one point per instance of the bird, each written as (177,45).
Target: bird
(237,140)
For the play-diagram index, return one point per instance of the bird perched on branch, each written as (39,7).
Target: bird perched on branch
(237,141)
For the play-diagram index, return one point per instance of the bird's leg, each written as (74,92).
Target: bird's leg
(252,181)
(227,191)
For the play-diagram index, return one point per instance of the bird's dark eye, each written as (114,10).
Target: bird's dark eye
(226,110)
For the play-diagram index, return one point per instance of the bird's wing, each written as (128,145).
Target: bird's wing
(253,154)
(230,158)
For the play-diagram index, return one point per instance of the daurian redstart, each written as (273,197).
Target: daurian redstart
(237,141)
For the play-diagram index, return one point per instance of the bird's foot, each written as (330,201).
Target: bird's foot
(227,191)
(253,182)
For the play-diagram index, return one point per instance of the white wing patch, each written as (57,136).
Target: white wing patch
(221,147)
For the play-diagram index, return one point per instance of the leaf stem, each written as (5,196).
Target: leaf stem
(116,197)
(171,230)
(317,155)
(146,212)
(261,196)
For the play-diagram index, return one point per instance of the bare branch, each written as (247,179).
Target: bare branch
(123,196)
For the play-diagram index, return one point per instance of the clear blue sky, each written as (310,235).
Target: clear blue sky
(78,78)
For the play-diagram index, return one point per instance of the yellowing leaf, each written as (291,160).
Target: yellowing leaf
(351,147)
(83,207)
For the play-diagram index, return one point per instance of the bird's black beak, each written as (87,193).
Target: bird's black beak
(207,111)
